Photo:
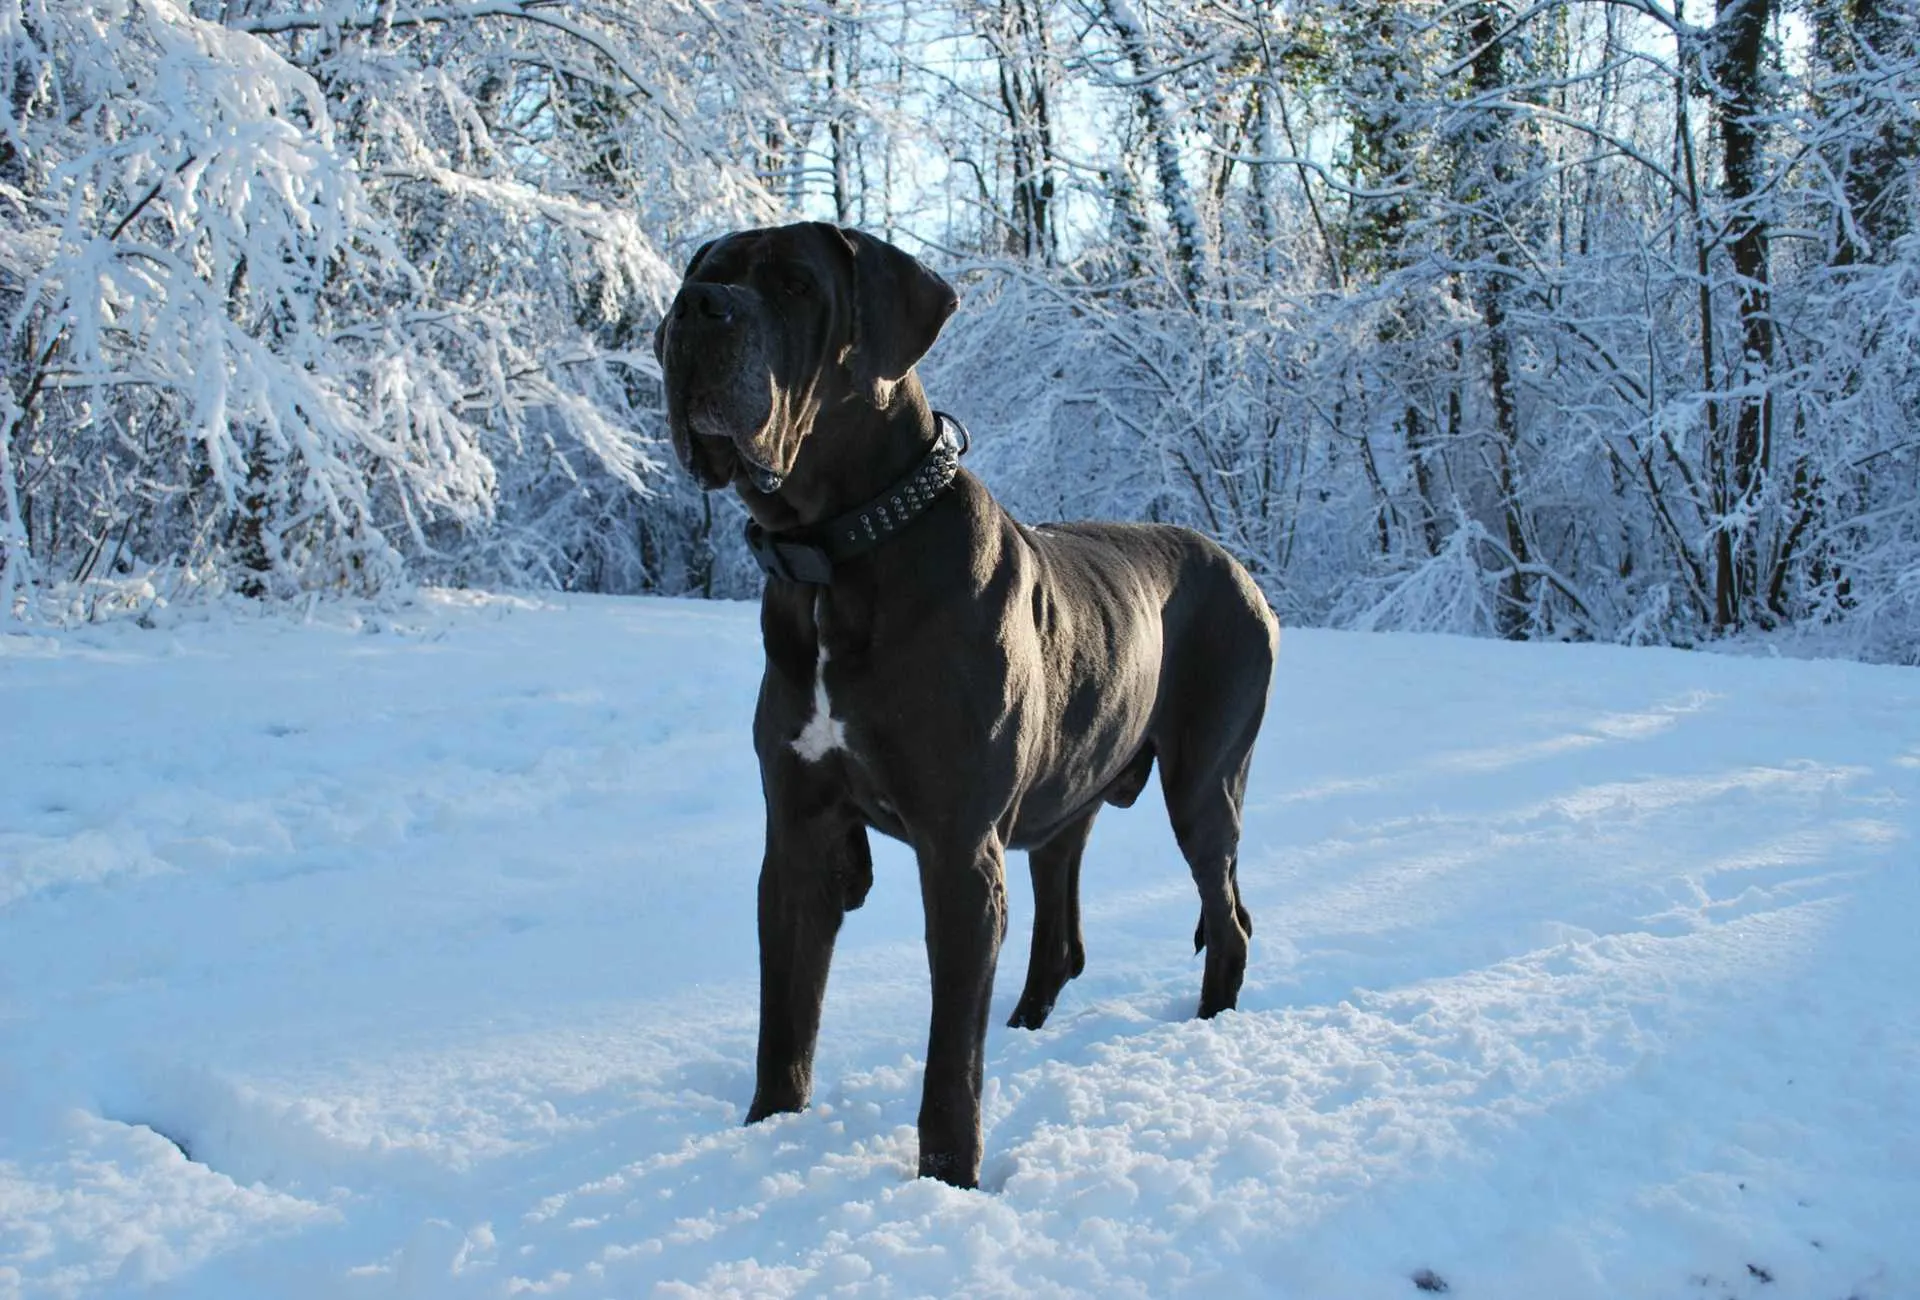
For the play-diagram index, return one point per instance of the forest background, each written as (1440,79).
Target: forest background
(1569,319)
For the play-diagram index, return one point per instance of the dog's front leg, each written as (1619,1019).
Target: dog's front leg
(965,893)
(816,867)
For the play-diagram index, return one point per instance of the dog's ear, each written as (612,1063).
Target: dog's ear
(899,307)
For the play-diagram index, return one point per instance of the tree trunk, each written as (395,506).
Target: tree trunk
(14,553)
(1490,180)
(1738,48)
(1017,32)
(842,70)
(1189,240)
(1877,143)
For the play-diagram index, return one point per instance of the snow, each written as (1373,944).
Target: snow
(412,954)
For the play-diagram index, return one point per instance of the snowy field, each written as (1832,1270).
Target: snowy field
(413,955)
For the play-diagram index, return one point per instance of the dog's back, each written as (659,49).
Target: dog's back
(1205,597)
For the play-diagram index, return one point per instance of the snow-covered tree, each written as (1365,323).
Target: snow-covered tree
(1582,319)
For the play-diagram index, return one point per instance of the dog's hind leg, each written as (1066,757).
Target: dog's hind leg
(1204,786)
(1239,909)
(1059,953)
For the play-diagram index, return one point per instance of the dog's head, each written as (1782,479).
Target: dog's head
(773,327)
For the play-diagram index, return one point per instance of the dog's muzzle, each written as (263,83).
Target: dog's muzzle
(709,345)
(713,458)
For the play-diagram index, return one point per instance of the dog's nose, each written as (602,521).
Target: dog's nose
(710,301)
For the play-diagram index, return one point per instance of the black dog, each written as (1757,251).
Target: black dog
(936,670)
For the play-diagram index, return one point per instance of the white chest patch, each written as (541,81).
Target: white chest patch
(823,733)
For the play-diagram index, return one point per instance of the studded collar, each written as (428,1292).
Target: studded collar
(809,554)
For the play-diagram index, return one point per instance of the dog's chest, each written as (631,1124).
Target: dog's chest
(823,729)
(823,733)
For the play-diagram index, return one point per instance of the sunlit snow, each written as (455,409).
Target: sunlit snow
(413,954)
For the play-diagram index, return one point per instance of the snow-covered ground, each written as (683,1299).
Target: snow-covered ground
(414,955)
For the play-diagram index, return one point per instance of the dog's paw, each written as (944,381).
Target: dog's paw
(951,1168)
(1031,1013)
(765,1107)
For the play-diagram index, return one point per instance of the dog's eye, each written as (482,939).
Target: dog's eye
(797,286)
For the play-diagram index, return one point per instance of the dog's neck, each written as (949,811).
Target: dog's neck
(855,451)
